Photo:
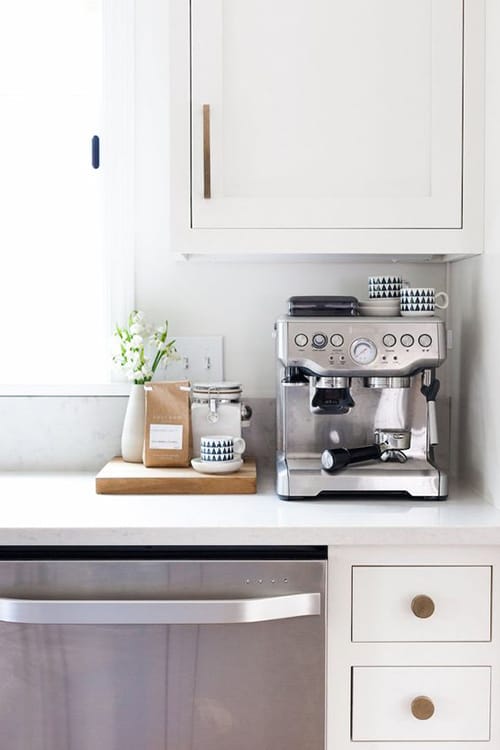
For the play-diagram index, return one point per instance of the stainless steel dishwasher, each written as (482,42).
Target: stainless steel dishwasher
(217,649)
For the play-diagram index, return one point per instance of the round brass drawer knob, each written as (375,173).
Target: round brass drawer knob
(422,606)
(422,708)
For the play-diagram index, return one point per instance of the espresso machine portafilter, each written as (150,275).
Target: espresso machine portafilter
(356,406)
(389,445)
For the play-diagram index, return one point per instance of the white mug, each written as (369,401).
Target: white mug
(385,287)
(221,447)
(422,301)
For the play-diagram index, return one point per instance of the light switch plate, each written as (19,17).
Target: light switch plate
(201,359)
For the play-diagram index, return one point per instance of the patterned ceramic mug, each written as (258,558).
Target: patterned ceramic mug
(221,447)
(384,287)
(422,301)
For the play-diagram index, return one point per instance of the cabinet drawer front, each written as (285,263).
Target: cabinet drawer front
(421,703)
(411,603)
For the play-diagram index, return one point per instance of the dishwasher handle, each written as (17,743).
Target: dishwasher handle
(158,611)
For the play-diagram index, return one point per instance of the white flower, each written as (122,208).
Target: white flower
(139,348)
(136,342)
(135,360)
(127,354)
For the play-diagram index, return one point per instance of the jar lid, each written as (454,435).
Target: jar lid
(216,389)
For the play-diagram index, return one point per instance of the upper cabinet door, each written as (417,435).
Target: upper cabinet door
(328,114)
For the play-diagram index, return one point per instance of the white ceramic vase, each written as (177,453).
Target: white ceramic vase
(133,426)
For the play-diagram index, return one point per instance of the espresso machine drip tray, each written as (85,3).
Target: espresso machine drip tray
(300,478)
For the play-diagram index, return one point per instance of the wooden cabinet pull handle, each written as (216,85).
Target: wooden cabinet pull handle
(207,177)
(422,606)
(422,708)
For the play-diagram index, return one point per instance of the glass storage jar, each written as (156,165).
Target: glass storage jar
(217,409)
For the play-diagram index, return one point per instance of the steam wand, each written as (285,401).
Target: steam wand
(430,389)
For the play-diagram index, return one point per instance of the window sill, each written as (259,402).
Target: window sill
(94,389)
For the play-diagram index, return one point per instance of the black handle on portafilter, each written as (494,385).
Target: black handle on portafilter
(334,459)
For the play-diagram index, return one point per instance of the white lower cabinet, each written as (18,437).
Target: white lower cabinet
(413,655)
(420,703)
(421,603)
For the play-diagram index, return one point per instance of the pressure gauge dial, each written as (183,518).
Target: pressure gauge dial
(363,351)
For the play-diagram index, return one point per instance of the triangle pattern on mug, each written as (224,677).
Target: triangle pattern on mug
(389,291)
(417,307)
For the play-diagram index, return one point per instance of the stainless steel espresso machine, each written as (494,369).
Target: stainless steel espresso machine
(356,406)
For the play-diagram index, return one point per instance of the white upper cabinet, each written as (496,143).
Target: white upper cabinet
(327,113)
(326,126)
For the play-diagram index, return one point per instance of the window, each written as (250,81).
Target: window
(62,221)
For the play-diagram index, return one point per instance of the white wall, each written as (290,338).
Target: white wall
(237,300)
(475,312)
(80,433)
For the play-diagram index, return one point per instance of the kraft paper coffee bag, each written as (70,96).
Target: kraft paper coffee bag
(167,433)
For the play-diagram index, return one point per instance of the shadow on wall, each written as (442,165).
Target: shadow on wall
(476,361)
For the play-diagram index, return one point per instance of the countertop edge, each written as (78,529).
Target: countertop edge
(62,509)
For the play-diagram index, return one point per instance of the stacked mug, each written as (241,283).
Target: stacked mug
(391,296)
(384,294)
(384,287)
(422,301)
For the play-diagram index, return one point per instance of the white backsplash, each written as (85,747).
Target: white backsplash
(83,433)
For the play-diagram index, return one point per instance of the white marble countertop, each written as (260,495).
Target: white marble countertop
(63,509)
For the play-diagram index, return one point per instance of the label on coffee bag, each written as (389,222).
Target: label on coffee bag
(165,437)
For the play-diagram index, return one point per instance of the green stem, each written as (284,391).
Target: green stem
(157,359)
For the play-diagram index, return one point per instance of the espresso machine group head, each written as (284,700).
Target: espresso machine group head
(356,406)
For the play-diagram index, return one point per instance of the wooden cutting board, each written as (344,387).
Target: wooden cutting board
(121,478)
